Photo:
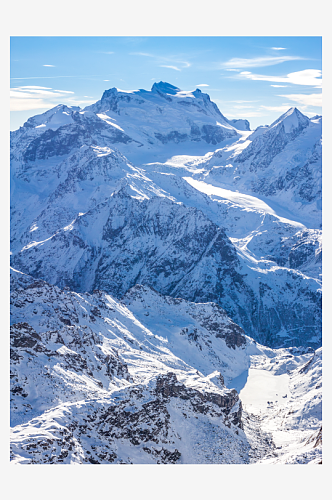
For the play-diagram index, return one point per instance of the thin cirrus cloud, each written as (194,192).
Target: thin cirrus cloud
(279,109)
(170,67)
(310,77)
(203,85)
(258,62)
(305,99)
(176,62)
(144,54)
(279,86)
(278,48)
(48,66)
(30,97)
(248,114)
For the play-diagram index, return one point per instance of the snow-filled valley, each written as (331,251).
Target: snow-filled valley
(166,284)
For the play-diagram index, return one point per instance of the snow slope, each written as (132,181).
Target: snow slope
(282,396)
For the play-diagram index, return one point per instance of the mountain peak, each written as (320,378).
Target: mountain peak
(165,88)
(53,118)
(291,120)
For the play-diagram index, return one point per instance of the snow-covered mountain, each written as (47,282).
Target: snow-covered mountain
(282,163)
(180,252)
(156,235)
(150,379)
(165,114)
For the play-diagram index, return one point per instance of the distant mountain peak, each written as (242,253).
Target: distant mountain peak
(165,88)
(53,118)
(291,119)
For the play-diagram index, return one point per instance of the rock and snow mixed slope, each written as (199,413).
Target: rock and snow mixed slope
(93,382)
(282,164)
(179,252)
(150,379)
(200,214)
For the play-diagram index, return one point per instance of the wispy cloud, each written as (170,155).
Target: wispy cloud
(279,109)
(250,114)
(203,85)
(170,67)
(305,99)
(241,101)
(177,62)
(278,48)
(27,97)
(48,65)
(258,62)
(232,69)
(242,106)
(144,54)
(279,86)
(310,77)
(310,113)
(56,76)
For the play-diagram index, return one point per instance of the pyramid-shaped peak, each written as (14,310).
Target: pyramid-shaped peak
(292,119)
(165,88)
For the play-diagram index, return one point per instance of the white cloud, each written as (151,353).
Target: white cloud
(280,109)
(242,106)
(33,97)
(145,54)
(247,114)
(173,59)
(203,85)
(65,91)
(171,67)
(278,48)
(232,69)
(257,62)
(311,77)
(279,86)
(240,102)
(305,99)
(34,87)
(48,66)
(310,113)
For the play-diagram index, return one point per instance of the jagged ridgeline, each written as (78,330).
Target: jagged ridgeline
(163,256)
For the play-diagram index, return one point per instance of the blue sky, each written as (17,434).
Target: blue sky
(257,78)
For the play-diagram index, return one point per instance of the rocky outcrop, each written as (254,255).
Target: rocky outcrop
(134,425)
